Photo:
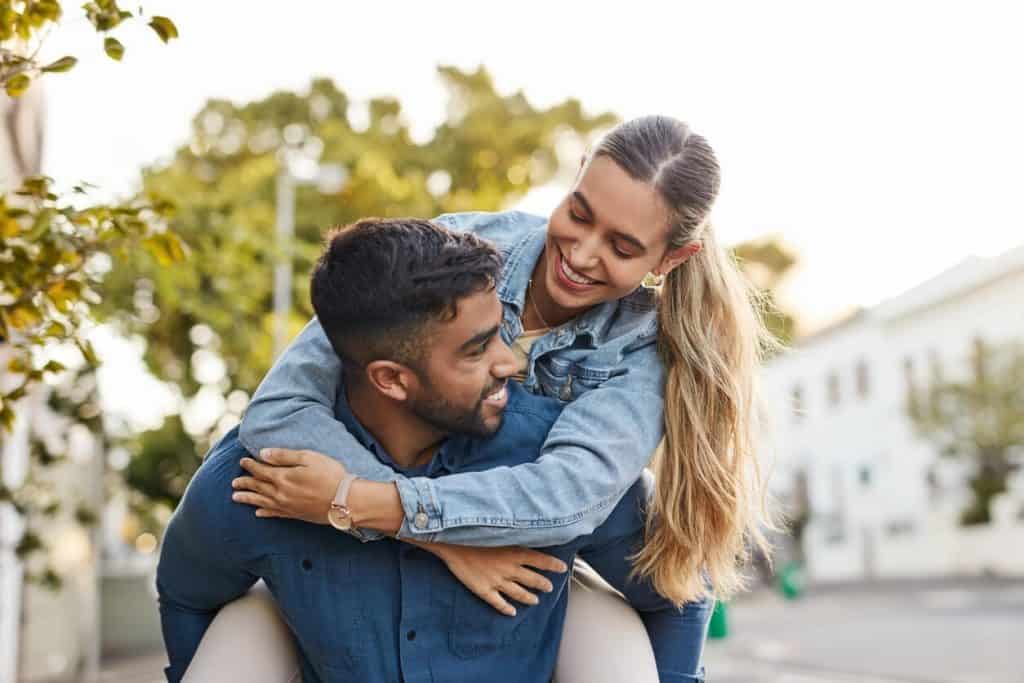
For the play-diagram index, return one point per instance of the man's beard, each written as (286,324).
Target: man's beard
(442,415)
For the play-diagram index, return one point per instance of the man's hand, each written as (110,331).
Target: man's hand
(492,574)
(294,484)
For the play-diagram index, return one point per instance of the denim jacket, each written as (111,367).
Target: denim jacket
(603,365)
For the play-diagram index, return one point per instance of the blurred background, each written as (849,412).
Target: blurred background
(168,171)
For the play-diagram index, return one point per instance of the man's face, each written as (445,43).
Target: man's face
(464,371)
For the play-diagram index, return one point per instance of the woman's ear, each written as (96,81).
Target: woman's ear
(676,257)
(390,378)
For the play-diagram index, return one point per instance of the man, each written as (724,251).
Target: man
(411,309)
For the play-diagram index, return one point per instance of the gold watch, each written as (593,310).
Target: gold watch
(339,516)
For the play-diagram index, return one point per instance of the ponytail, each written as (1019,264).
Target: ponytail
(709,507)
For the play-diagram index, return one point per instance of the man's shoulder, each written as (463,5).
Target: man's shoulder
(532,409)
(524,428)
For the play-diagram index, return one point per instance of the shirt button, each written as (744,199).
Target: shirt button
(411,635)
(421,520)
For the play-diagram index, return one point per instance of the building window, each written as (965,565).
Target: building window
(908,373)
(863,379)
(832,390)
(934,367)
(797,403)
(978,358)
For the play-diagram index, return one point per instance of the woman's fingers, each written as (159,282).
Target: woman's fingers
(254,499)
(531,579)
(494,599)
(254,485)
(258,469)
(539,560)
(516,592)
(282,457)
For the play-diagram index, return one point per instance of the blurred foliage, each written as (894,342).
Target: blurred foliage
(54,256)
(767,261)
(979,418)
(24,24)
(54,253)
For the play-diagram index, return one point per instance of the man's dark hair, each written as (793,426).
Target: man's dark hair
(379,282)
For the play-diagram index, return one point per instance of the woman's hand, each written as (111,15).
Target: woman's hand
(493,574)
(294,484)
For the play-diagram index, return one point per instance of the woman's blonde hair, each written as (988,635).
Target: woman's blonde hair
(709,509)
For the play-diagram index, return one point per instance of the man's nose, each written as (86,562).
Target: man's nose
(506,363)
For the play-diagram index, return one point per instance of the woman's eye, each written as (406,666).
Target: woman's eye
(622,252)
(576,217)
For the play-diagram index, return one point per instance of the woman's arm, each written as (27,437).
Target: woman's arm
(595,450)
(294,408)
(593,453)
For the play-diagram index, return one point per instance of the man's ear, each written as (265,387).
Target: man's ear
(390,378)
(676,257)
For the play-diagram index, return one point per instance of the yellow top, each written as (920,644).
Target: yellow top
(521,347)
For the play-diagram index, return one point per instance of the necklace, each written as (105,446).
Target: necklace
(529,296)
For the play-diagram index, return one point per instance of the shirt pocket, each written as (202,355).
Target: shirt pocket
(317,596)
(479,630)
(568,380)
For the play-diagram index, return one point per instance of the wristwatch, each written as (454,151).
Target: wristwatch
(339,516)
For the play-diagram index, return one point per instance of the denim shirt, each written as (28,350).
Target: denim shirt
(603,365)
(388,611)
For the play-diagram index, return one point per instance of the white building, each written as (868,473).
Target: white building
(881,503)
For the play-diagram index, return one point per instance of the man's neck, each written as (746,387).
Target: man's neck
(408,440)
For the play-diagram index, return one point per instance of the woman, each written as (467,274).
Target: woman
(634,367)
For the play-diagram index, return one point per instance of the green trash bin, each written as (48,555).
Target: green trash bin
(792,580)
(719,626)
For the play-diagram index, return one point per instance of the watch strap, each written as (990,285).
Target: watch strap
(341,497)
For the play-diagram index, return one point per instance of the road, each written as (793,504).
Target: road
(909,632)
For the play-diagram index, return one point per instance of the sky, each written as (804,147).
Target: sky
(882,140)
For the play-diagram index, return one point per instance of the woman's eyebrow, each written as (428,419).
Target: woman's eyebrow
(578,196)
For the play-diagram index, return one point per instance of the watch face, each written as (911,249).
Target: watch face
(339,518)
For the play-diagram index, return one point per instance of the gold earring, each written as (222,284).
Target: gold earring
(653,280)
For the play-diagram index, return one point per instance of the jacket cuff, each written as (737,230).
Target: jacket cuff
(423,518)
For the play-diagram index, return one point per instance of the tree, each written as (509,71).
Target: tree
(208,324)
(979,418)
(766,262)
(55,250)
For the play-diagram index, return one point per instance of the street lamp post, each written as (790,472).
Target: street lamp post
(329,179)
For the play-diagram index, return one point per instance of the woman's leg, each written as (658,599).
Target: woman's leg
(603,639)
(247,641)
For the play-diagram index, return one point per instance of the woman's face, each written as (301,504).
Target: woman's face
(604,237)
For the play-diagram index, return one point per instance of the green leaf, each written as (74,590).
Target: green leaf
(86,516)
(61,65)
(17,85)
(30,542)
(113,48)
(164,28)
(88,352)
(54,366)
